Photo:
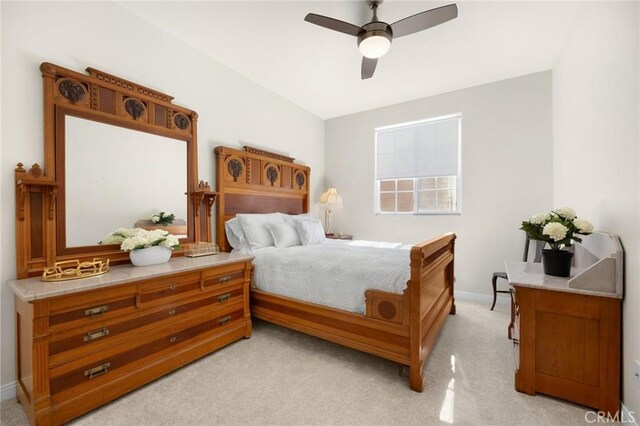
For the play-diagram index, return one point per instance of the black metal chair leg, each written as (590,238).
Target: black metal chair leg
(495,292)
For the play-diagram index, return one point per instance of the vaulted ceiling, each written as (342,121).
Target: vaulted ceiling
(270,43)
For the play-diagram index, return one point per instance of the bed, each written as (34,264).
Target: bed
(402,327)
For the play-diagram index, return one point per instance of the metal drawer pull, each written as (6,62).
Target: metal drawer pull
(224,297)
(173,339)
(225,279)
(96,371)
(172,287)
(225,320)
(96,311)
(96,334)
(172,312)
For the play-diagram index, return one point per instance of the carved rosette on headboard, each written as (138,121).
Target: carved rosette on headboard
(257,181)
(96,96)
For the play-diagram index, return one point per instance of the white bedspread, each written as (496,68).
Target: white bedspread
(335,273)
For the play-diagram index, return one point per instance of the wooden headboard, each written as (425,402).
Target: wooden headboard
(257,181)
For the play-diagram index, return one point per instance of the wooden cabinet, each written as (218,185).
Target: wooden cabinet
(81,349)
(568,345)
(566,330)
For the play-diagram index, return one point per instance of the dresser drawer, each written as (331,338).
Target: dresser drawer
(163,289)
(71,344)
(224,275)
(103,367)
(91,306)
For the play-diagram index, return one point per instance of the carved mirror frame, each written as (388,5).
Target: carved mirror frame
(105,98)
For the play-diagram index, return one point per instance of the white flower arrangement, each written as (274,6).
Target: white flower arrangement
(566,212)
(540,218)
(557,228)
(138,238)
(163,218)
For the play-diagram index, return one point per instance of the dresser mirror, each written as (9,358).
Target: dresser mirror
(115,153)
(116,176)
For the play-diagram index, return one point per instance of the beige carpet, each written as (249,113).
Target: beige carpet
(283,377)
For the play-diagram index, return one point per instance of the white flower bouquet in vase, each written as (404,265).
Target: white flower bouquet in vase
(558,228)
(145,247)
(163,218)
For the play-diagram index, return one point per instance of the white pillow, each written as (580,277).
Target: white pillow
(255,228)
(284,235)
(293,218)
(310,232)
(235,235)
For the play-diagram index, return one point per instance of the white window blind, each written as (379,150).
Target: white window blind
(424,149)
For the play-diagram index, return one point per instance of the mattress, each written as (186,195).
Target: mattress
(335,273)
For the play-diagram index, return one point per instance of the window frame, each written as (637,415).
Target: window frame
(415,212)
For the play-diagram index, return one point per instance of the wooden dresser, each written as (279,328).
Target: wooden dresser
(84,343)
(566,331)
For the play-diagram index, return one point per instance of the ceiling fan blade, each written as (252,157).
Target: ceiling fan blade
(333,24)
(423,20)
(368,67)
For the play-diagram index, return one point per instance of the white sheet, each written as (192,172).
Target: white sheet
(335,273)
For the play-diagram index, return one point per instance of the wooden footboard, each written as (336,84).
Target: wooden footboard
(431,295)
(399,327)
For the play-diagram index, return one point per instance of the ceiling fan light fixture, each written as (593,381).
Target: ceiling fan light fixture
(374,38)
(374,44)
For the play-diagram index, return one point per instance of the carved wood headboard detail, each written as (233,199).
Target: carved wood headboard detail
(257,181)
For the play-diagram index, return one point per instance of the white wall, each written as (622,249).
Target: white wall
(506,147)
(596,150)
(232,110)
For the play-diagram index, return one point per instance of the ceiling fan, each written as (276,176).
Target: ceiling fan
(374,38)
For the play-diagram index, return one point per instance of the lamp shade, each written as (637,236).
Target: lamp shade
(331,198)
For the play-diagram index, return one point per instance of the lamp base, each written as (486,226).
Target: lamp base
(327,222)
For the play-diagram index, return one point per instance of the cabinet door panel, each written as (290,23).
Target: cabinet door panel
(567,347)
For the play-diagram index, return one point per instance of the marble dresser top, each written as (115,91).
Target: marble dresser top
(531,275)
(33,288)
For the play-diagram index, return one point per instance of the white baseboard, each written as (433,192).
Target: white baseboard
(626,417)
(502,300)
(8,391)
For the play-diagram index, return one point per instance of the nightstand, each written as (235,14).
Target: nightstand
(339,236)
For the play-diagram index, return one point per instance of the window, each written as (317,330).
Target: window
(418,167)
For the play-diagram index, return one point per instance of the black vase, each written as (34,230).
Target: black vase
(557,262)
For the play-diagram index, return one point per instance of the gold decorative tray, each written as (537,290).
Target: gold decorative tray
(74,270)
